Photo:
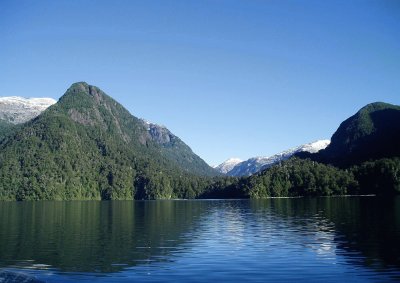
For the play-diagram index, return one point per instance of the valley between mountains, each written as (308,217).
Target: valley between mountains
(88,146)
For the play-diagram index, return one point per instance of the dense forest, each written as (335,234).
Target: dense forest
(362,158)
(370,134)
(304,177)
(88,146)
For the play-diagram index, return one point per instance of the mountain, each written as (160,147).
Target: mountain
(363,158)
(256,164)
(17,110)
(300,177)
(173,148)
(228,165)
(88,146)
(372,133)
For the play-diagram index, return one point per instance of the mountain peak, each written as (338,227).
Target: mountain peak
(373,132)
(313,147)
(79,87)
(234,159)
(376,106)
(364,122)
(90,106)
(228,165)
(88,146)
(85,88)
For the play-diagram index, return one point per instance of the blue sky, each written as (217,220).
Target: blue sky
(231,78)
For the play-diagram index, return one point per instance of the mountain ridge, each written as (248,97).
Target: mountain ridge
(228,165)
(88,146)
(172,146)
(373,132)
(256,164)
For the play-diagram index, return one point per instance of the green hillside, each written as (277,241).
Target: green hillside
(363,158)
(5,128)
(372,133)
(87,146)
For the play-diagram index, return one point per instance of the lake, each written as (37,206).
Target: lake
(352,239)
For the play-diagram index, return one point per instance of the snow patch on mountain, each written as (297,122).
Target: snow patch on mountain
(16,110)
(256,164)
(313,147)
(158,133)
(227,165)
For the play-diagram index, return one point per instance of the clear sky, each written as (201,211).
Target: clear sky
(230,78)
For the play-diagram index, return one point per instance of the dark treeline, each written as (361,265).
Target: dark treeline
(88,146)
(304,177)
(115,176)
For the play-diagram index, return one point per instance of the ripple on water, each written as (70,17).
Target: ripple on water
(305,240)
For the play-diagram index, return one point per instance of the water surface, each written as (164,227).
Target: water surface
(356,239)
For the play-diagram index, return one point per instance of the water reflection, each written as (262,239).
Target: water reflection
(366,225)
(92,236)
(241,240)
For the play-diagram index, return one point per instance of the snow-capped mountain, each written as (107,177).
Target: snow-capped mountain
(16,110)
(227,165)
(256,164)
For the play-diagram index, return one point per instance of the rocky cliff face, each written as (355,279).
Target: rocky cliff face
(173,148)
(158,134)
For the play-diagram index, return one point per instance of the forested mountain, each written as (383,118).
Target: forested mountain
(87,146)
(303,177)
(173,148)
(362,158)
(372,133)
(5,128)
(17,110)
(297,177)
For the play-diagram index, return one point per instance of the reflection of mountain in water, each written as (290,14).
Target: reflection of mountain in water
(92,236)
(367,228)
(284,239)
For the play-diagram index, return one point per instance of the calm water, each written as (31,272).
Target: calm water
(353,239)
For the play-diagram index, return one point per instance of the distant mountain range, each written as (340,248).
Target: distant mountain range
(228,165)
(17,110)
(238,168)
(88,146)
